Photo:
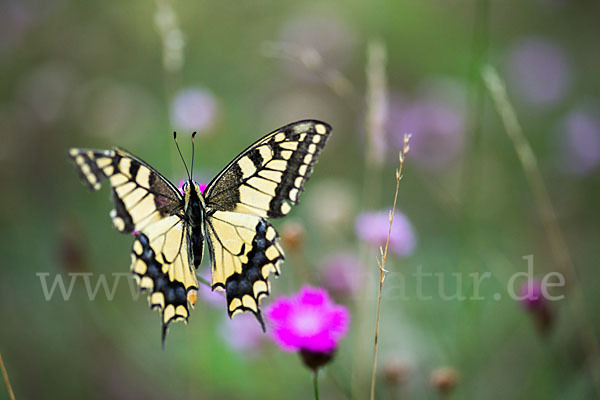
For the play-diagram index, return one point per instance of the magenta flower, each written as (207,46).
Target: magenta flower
(183,181)
(532,298)
(342,273)
(373,227)
(531,295)
(194,109)
(308,321)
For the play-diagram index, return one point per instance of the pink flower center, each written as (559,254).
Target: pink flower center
(307,323)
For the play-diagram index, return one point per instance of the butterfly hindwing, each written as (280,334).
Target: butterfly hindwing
(147,205)
(243,251)
(267,178)
(162,262)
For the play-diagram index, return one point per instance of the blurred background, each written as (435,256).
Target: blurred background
(103,74)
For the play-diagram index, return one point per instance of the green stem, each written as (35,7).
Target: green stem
(316,383)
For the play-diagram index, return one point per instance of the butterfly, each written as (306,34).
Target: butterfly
(231,215)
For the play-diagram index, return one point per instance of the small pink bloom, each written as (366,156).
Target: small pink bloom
(242,332)
(580,137)
(373,228)
(308,321)
(531,294)
(200,185)
(533,300)
(539,71)
(342,273)
(194,109)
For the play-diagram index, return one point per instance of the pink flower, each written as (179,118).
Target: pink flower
(308,321)
(342,273)
(533,300)
(580,137)
(242,332)
(539,71)
(531,294)
(435,119)
(373,227)
(194,109)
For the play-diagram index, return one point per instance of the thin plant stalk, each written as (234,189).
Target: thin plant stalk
(316,383)
(558,245)
(11,394)
(312,61)
(375,122)
(381,263)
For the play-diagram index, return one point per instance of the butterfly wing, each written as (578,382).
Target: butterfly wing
(243,252)
(267,177)
(149,206)
(263,181)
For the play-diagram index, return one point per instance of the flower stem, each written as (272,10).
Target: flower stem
(555,237)
(316,383)
(381,262)
(5,374)
(203,281)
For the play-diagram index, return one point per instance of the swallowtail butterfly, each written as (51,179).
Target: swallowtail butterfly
(230,215)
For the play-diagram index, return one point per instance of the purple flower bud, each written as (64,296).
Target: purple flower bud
(532,298)
(531,294)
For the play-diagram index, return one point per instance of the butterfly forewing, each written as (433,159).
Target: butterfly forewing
(267,178)
(140,194)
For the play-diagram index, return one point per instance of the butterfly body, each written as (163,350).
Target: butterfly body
(171,227)
(195,212)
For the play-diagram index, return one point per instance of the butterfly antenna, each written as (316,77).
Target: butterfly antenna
(181,155)
(193,148)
